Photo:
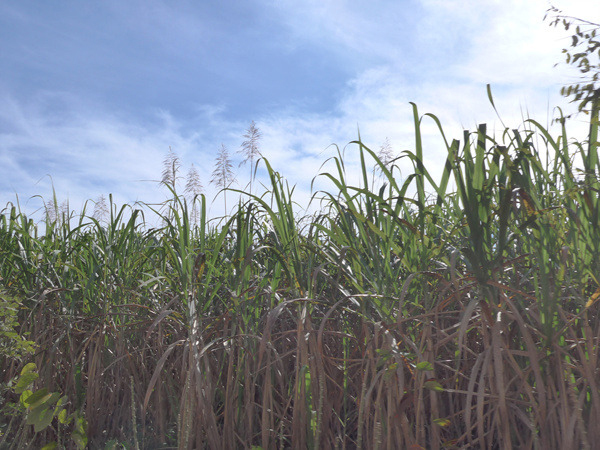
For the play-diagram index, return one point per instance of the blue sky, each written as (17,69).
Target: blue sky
(95,93)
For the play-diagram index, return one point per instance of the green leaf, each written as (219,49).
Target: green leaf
(49,446)
(433,385)
(79,439)
(31,367)
(62,401)
(489,93)
(441,422)
(27,378)
(424,365)
(37,398)
(385,354)
(79,434)
(62,416)
(40,418)
(24,395)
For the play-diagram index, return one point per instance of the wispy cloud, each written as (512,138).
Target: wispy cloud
(438,54)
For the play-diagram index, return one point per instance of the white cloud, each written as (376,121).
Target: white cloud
(88,154)
(91,151)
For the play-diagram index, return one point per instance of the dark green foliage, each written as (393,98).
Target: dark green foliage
(459,312)
(584,54)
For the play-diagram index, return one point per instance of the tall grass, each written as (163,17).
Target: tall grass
(447,319)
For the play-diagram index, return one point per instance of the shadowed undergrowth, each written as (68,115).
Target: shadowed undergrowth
(444,319)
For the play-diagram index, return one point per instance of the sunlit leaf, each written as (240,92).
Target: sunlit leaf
(441,422)
(433,385)
(424,366)
(593,298)
(38,398)
(26,379)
